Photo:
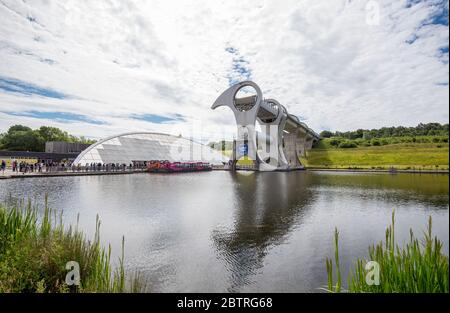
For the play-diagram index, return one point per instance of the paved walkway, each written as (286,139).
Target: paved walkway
(10,174)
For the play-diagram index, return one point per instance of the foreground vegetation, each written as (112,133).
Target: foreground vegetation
(420,266)
(34,253)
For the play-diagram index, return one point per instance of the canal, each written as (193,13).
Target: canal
(243,232)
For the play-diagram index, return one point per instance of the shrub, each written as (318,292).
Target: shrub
(435,139)
(394,141)
(375,142)
(335,142)
(423,140)
(348,144)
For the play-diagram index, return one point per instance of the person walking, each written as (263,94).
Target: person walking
(3,166)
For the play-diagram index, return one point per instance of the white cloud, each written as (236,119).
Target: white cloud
(320,59)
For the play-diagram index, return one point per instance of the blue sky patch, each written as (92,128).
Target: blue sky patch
(443,50)
(240,70)
(63,117)
(440,16)
(11,85)
(157,119)
(443,54)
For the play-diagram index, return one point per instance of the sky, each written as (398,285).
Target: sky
(99,68)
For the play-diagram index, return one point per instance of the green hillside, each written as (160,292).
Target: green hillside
(424,153)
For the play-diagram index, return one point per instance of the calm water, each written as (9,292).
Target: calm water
(222,231)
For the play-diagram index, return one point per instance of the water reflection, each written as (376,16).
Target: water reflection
(423,188)
(269,205)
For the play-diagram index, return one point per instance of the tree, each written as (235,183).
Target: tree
(54,134)
(367,135)
(83,139)
(429,129)
(359,133)
(23,140)
(15,128)
(326,134)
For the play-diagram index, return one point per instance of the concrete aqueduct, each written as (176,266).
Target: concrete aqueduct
(283,138)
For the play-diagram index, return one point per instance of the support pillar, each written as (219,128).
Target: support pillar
(245,120)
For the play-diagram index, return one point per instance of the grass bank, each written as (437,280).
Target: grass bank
(402,156)
(34,252)
(419,267)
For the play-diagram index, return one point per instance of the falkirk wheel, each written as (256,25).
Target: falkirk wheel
(283,139)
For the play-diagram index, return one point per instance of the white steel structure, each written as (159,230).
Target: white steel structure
(145,146)
(284,138)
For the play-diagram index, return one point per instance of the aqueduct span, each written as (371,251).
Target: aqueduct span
(283,139)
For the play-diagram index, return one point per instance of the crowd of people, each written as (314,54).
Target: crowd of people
(108,167)
(47,167)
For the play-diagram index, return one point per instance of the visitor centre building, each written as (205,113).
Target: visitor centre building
(138,147)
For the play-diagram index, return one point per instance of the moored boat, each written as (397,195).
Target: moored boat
(177,167)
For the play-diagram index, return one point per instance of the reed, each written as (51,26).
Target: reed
(34,251)
(418,267)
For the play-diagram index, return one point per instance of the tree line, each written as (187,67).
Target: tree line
(428,129)
(23,138)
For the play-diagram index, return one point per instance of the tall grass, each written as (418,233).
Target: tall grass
(420,266)
(34,251)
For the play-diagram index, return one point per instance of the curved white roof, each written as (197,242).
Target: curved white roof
(145,146)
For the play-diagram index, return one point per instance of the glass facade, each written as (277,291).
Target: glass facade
(137,147)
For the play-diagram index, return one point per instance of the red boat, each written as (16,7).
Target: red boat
(177,167)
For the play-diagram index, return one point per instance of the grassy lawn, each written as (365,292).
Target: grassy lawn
(424,156)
